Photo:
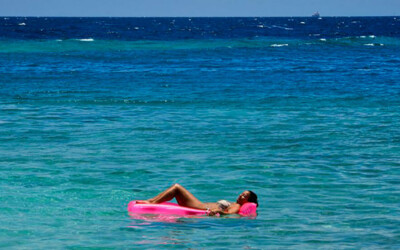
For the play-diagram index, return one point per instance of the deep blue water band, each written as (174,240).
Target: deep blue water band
(195,28)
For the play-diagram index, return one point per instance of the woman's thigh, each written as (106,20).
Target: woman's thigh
(187,199)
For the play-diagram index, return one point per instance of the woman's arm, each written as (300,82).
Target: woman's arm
(233,209)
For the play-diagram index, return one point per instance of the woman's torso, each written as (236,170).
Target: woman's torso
(213,205)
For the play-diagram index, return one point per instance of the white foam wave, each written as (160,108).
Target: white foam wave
(279,45)
(86,40)
(323,39)
(281,27)
(374,44)
(22,24)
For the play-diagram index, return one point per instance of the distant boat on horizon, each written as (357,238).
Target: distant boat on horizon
(316,14)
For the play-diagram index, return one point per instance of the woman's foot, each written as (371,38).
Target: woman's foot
(143,202)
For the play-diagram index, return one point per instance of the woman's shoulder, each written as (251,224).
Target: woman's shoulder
(234,208)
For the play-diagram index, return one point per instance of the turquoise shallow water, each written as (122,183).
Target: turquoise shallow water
(311,126)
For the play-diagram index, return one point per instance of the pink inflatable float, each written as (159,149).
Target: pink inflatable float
(168,208)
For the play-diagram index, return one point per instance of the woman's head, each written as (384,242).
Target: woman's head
(252,197)
(247,196)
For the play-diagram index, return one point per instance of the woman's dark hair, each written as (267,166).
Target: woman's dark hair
(252,197)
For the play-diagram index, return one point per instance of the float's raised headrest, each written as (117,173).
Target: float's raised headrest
(248,209)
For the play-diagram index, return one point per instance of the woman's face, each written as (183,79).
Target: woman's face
(243,197)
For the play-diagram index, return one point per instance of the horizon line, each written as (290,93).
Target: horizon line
(40,16)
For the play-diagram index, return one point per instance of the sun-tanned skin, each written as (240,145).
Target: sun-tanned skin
(186,199)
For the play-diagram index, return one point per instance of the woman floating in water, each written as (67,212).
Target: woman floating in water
(186,199)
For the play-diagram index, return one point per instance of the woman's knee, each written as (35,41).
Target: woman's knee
(176,186)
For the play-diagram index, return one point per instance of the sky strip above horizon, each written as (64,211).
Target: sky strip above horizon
(197,8)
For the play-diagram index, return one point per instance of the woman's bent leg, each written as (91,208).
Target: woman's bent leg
(166,195)
(182,196)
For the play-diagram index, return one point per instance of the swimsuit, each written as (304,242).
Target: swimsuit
(223,204)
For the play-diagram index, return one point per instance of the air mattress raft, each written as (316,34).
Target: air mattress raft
(168,208)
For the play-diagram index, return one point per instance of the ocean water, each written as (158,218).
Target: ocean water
(95,112)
